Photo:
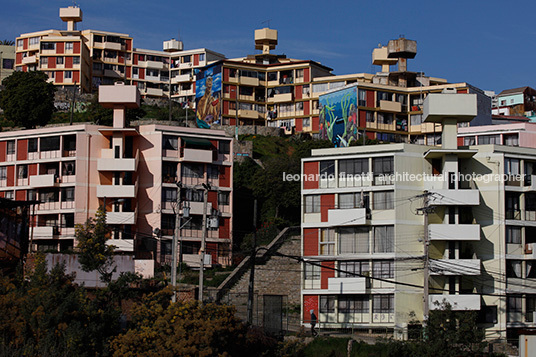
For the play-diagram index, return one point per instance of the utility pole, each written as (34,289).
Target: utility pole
(202,263)
(72,104)
(252,261)
(426,209)
(175,242)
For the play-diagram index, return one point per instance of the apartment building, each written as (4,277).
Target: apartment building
(273,90)
(7,61)
(516,102)
(90,58)
(364,233)
(521,134)
(132,172)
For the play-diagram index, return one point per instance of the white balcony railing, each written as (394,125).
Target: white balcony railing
(455,267)
(356,285)
(456,232)
(43,180)
(197,155)
(347,217)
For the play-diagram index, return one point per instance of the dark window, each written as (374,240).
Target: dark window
(50,143)
(327,304)
(32,145)
(383,304)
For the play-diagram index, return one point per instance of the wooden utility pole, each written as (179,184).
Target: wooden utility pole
(175,242)
(202,263)
(252,261)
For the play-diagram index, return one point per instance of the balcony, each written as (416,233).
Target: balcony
(454,198)
(108,163)
(530,251)
(181,78)
(196,155)
(121,217)
(117,191)
(197,207)
(154,91)
(153,64)
(454,232)
(121,245)
(194,260)
(457,302)
(389,106)
(356,285)
(29,60)
(113,46)
(455,267)
(43,232)
(521,286)
(113,74)
(277,98)
(251,114)
(249,81)
(43,180)
(347,217)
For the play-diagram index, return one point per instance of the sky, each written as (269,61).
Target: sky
(489,44)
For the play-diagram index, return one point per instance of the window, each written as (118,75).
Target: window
(201,57)
(8,195)
(383,304)
(511,166)
(353,167)
(31,195)
(50,143)
(59,60)
(23,172)
(469,140)
(32,145)
(327,242)
(383,269)
(513,235)
(195,223)
(68,46)
(369,117)
(383,168)
(213,172)
(10,147)
(320,87)
(354,268)
(193,195)
(169,194)
(299,73)
(514,303)
(353,240)
(327,304)
(383,200)
(349,304)
(224,198)
(20,43)
(192,170)
(327,169)
(68,74)
(511,140)
(48,45)
(489,139)
(76,60)
(44,60)
(415,119)
(311,272)
(48,196)
(67,194)
(312,204)
(170,142)
(3,173)
(224,147)
(384,239)
(362,98)
(513,269)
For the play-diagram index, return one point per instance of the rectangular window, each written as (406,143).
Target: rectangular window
(311,272)
(383,304)
(511,166)
(68,74)
(489,139)
(67,194)
(192,170)
(511,140)
(3,173)
(415,119)
(384,239)
(170,142)
(20,43)
(224,198)
(513,235)
(44,60)
(383,269)
(224,147)
(8,195)
(353,167)
(193,195)
(10,147)
(514,303)
(213,172)
(354,268)
(59,60)
(468,140)
(50,143)
(353,240)
(383,200)
(201,57)
(32,145)
(312,204)
(327,242)
(383,168)
(353,304)
(23,172)
(68,46)
(76,60)
(48,45)
(327,304)
(169,194)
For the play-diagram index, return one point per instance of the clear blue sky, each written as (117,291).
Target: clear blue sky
(489,44)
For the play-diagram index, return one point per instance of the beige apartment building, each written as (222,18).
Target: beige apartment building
(134,173)
(364,233)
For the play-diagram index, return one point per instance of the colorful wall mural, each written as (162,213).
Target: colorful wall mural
(208,96)
(338,117)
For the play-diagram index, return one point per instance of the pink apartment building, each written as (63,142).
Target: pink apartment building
(512,134)
(133,172)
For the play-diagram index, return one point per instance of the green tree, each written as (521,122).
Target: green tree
(93,252)
(27,99)
(161,328)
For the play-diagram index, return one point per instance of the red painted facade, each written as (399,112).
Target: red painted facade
(327,202)
(326,272)
(310,242)
(22,149)
(310,170)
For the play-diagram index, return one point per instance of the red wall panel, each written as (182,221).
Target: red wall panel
(141,73)
(76,76)
(18,58)
(59,77)
(362,118)
(212,198)
(370,99)
(315,123)
(68,62)
(460,141)
(22,149)
(32,169)
(299,125)
(310,242)
(3,151)
(20,195)
(212,249)
(226,74)
(327,202)
(76,47)
(225,176)
(196,60)
(307,75)
(60,47)
(25,44)
(298,92)
(11,175)
(310,302)
(307,108)
(326,272)
(225,228)
(311,171)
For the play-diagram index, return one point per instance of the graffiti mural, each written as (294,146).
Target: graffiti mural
(338,117)
(208,96)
